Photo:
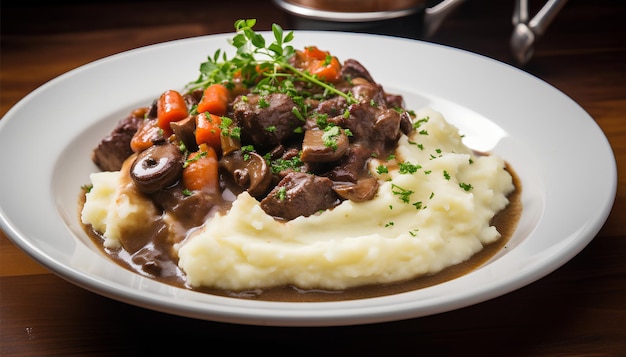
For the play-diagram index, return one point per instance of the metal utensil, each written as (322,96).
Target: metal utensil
(527,31)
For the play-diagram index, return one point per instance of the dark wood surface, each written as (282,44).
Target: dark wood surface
(580,309)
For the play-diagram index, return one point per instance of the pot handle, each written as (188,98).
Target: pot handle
(527,31)
(434,16)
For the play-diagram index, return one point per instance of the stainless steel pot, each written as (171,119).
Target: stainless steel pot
(411,18)
(405,18)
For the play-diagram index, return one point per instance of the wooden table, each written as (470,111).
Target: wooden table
(580,309)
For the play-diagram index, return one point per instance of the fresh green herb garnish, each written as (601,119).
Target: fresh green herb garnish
(465,186)
(403,193)
(266,67)
(330,135)
(408,168)
(382,169)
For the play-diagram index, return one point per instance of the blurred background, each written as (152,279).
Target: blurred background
(42,26)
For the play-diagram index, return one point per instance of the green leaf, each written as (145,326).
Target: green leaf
(289,37)
(239,40)
(278,33)
(276,48)
(258,41)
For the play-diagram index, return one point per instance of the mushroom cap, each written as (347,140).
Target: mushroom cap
(157,167)
(250,171)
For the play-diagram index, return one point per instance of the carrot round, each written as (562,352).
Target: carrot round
(201,170)
(214,100)
(313,52)
(144,136)
(328,70)
(208,130)
(171,107)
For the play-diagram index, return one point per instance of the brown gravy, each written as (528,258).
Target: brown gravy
(505,221)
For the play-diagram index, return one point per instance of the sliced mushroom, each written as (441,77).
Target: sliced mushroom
(324,145)
(229,143)
(363,190)
(184,131)
(157,168)
(406,124)
(249,171)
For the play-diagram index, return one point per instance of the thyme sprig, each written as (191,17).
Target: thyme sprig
(257,63)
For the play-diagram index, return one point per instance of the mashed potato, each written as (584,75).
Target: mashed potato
(114,209)
(432,210)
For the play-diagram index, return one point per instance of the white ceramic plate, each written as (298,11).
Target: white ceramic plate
(565,163)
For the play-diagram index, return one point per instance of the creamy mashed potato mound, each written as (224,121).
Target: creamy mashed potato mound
(419,223)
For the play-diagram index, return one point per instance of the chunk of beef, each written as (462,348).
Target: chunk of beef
(354,69)
(193,98)
(332,107)
(299,194)
(352,166)
(114,148)
(387,126)
(370,93)
(394,101)
(265,121)
(190,210)
(360,122)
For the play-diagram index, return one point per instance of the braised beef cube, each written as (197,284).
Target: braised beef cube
(332,107)
(265,121)
(352,166)
(153,110)
(324,145)
(189,209)
(354,69)
(370,93)
(394,101)
(299,194)
(114,149)
(193,98)
(360,122)
(387,125)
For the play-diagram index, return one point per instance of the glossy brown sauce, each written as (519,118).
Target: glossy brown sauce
(505,221)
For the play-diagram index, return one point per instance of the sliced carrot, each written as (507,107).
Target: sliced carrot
(214,100)
(201,170)
(171,107)
(329,71)
(146,134)
(208,130)
(315,53)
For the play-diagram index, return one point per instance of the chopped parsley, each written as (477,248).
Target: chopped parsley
(281,164)
(402,193)
(465,186)
(408,168)
(263,103)
(330,135)
(382,169)
(281,194)
(419,122)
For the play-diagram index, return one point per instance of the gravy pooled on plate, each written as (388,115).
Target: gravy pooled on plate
(294,178)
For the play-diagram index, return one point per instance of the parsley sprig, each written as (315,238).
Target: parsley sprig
(259,64)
